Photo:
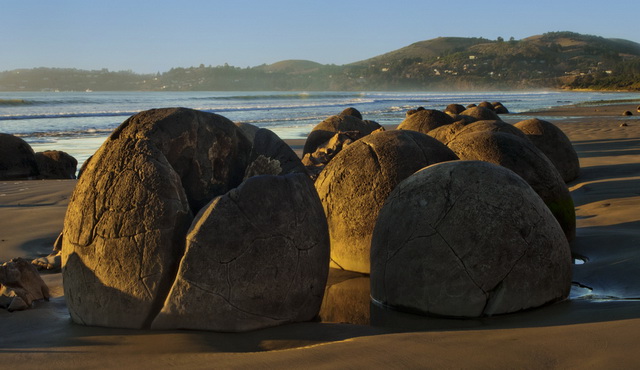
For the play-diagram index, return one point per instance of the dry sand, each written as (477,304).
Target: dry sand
(598,328)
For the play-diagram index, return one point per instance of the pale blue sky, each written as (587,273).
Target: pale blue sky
(155,35)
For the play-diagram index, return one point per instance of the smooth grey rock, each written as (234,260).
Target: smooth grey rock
(523,158)
(257,256)
(355,184)
(467,239)
(554,144)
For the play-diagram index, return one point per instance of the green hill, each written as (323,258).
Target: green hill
(552,60)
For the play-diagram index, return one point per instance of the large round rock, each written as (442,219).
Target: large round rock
(125,231)
(326,129)
(425,120)
(17,159)
(252,259)
(447,133)
(480,113)
(554,144)
(467,239)
(355,184)
(523,158)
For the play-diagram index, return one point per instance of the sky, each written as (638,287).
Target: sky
(149,36)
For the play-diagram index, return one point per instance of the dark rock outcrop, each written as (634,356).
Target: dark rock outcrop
(56,164)
(17,159)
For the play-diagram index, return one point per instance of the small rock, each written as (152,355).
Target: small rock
(20,281)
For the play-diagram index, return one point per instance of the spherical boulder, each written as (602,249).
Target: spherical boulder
(523,158)
(500,109)
(467,239)
(351,111)
(355,184)
(480,113)
(125,238)
(412,111)
(425,120)
(445,134)
(486,104)
(554,144)
(56,164)
(326,129)
(17,159)
(454,108)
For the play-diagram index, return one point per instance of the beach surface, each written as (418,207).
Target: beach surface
(598,327)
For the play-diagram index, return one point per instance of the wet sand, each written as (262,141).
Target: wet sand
(598,328)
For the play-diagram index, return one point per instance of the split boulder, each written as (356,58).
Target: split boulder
(158,177)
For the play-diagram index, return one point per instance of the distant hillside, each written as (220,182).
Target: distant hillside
(291,66)
(552,60)
(426,49)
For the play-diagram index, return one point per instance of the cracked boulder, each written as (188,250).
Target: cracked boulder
(252,259)
(125,231)
(326,129)
(467,239)
(523,158)
(355,184)
(425,120)
(447,133)
(554,144)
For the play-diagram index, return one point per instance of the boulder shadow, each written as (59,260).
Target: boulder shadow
(599,191)
(604,148)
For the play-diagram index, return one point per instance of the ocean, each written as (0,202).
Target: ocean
(79,122)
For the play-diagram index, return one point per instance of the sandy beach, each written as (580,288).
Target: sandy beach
(598,327)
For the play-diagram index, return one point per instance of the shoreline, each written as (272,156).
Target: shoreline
(600,329)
